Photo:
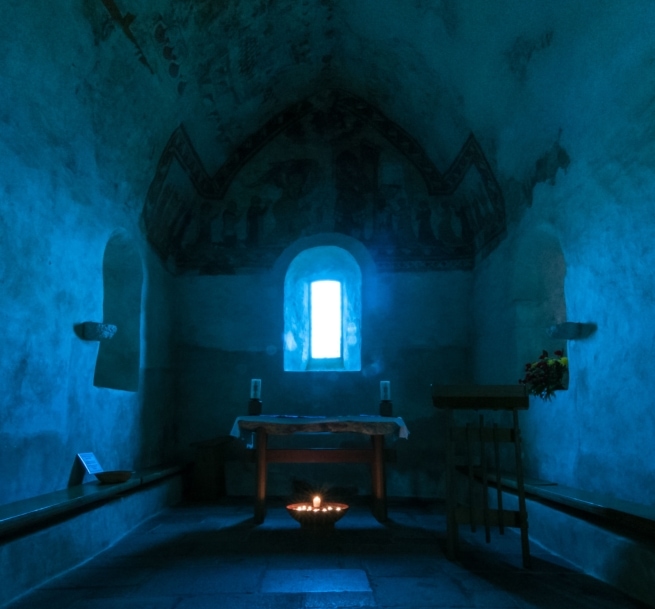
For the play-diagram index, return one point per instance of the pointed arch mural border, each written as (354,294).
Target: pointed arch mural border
(180,149)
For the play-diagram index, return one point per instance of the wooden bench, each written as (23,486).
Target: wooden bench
(475,438)
(602,509)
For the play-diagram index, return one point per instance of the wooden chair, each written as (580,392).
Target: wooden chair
(479,446)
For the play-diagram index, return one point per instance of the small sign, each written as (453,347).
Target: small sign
(84,464)
(90,463)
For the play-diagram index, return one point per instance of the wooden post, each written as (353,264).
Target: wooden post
(499,488)
(523,512)
(451,491)
(469,459)
(377,479)
(485,481)
(260,500)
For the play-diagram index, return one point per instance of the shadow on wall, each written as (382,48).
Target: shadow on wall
(538,295)
(117,366)
(539,298)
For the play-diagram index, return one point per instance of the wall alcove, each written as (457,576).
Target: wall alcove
(550,429)
(117,366)
(538,294)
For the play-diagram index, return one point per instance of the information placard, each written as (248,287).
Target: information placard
(90,463)
(84,465)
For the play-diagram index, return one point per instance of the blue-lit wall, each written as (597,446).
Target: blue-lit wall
(559,97)
(415,331)
(67,187)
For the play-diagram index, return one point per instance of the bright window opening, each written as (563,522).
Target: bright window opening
(323,311)
(325,323)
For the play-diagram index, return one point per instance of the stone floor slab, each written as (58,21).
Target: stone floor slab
(315,580)
(214,556)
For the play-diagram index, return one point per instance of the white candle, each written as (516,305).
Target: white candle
(255,389)
(385,390)
(316,502)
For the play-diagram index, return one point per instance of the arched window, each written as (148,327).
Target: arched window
(322,311)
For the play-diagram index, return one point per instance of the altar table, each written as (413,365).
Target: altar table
(376,427)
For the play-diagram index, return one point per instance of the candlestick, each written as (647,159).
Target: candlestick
(255,389)
(385,390)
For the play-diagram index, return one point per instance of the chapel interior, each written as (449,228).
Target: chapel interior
(477,175)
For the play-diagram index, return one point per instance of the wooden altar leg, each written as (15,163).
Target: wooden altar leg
(377,479)
(260,499)
(451,489)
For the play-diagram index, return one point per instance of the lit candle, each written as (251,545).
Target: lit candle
(255,389)
(385,390)
(316,502)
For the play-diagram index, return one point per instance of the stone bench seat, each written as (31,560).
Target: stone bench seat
(35,512)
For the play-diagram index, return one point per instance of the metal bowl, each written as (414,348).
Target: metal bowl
(317,518)
(113,477)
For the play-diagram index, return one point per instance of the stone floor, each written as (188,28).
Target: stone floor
(209,556)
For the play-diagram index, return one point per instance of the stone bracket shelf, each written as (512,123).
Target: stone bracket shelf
(571,330)
(93,330)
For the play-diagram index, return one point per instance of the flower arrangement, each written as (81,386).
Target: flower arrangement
(546,375)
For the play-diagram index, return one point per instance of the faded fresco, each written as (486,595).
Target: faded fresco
(331,164)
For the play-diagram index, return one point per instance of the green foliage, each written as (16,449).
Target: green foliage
(546,375)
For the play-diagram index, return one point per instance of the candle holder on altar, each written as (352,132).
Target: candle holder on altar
(255,404)
(385,399)
(317,515)
(386,409)
(254,407)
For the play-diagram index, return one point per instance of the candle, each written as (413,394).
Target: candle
(316,502)
(255,389)
(385,390)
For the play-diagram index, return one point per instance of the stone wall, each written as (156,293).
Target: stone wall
(559,99)
(595,213)
(415,331)
(69,182)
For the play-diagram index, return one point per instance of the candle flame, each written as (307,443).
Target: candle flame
(316,501)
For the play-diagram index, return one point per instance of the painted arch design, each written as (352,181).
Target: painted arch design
(330,163)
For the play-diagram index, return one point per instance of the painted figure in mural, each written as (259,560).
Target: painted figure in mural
(403,221)
(353,192)
(254,220)
(424,218)
(463,214)
(206,215)
(175,219)
(230,220)
(445,225)
(296,179)
(382,227)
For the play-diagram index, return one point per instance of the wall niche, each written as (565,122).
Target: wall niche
(117,366)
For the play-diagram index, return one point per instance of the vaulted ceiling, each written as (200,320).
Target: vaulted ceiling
(507,72)
(438,68)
